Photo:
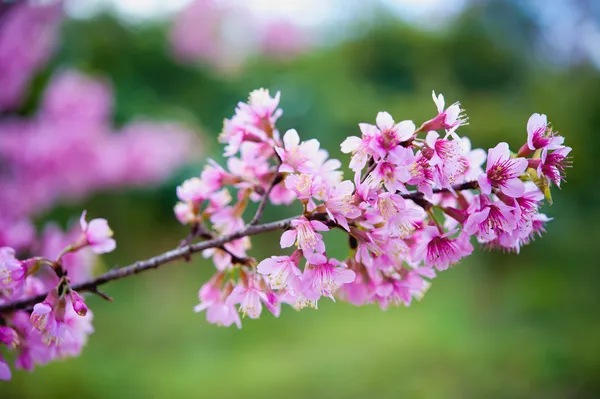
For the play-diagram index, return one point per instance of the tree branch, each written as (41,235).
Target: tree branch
(153,263)
(187,250)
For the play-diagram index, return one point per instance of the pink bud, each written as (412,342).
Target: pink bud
(79,305)
(9,337)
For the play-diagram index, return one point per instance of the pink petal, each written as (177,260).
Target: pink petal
(344,276)
(319,226)
(268,266)
(288,239)
(291,139)
(82,221)
(513,188)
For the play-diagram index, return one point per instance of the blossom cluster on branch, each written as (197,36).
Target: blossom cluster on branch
(418,200)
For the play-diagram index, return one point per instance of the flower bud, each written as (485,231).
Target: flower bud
(79,305)
(9,337)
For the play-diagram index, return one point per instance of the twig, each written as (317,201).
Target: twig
(154,262)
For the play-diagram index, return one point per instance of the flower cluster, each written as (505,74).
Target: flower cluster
(418,199)
(58,326)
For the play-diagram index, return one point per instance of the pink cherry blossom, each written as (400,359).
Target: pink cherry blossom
(250,298)
(296,156)
(441,251)
(340,204)
(305,235)
(12,273)
(450,119)
(283,272)
(388,135)
(218,312)
(323,277)
(98,235)
(553,164)
(540,135)
(491,220)
(503,172)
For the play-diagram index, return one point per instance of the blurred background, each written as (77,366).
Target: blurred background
(495,326)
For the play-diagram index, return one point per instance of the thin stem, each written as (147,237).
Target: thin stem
(265,198)
(153,263)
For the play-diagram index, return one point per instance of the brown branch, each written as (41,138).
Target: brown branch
(419,198)
(153,263)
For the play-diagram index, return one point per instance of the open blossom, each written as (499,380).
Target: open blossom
(447,157)
(400,218)
(250,297)
(305,235)
(323,277)
(296,156)
(253,121)
(387,134)
(283,272)
(449,119)
(212,299)
(540,135)
(98,235)
(503,172)
(491,220)
(12,273)
(441,251)
(553,164)
(340,204)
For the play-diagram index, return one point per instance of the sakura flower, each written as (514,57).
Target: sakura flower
(422,175)
(305,187)
(360,147)
(388,135)
(399,217)
(450,119)
(218,312)
(250,297)
(340,204)
(401,290)
(540,135)
(447,157)
(185,212)
(503,172)
(553,164)
(12,273)
(283,272)
(98,234)
(296,156)
(42,317)
(305,236)
(9,337)
(322,277)
(253,121)
(393,176)
(193,190)
(491,220)
(441,251)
